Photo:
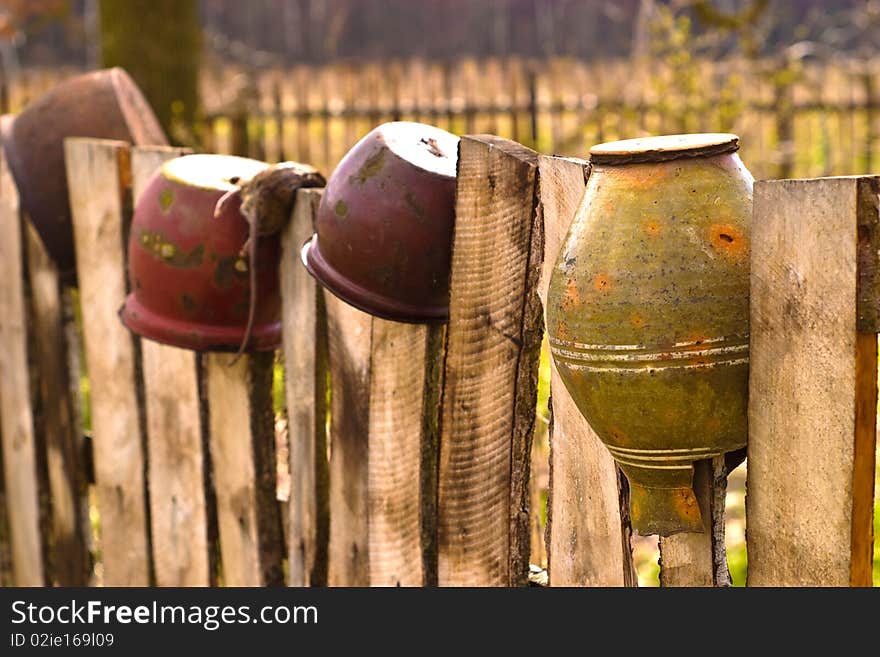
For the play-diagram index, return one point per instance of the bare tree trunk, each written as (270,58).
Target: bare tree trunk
(159,43)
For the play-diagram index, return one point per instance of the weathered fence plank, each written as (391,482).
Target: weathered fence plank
(349,332)
(492,349)
(304,325)
(813,382)
(588,532)
(63,442)
(404,389)
(242,431)
(21,482)
(98,178)
(176,444)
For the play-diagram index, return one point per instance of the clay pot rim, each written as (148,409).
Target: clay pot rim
(150,325)
(363,299)
(664,148)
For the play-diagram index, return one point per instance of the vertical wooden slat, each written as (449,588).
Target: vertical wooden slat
(349,341)
(305,366)
(68,547)
(242,431)
(16,409)
(493,343)
(404,388)
(176,446)
(588,528)
(98,178)
(813,381)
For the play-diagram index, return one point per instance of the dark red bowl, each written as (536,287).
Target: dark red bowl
(383,240)
(190,282)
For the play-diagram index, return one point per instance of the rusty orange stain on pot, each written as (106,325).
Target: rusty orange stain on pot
(602,283)
(571,297)
(685,504)
(653,227)
(637,320)
(728,240)
(620,438)
(642,177)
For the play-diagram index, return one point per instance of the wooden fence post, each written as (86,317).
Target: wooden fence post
(242,437)
(383,433)
(813,381)
(22,489)
(304,324)
(98,176)
(69,559)
(176,442)
(492,348)
(588,532)
(348,331)
(401,480)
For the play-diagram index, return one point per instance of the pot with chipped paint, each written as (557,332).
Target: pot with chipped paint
(189,276)
(383,240)
(648,314)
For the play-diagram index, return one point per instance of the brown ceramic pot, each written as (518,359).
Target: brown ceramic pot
(104,105)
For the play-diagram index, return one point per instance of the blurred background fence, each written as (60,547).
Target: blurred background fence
(795,118)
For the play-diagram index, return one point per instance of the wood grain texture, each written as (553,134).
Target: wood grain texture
(22,488)
(401,387)
(247,512)
(348,332)
(588,533)
(176,444)
(813,392)
(692,559)
(178,508)
(492,348)
(304,323)
(98,175)
(62,438)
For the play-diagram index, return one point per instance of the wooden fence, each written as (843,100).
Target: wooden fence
(409,445)
(802,119)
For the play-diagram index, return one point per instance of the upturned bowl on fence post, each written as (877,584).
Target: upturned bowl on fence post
(190,280)
(104,105)
(383,239)
(648,314)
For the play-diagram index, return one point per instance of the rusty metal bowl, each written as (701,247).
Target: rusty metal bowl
(383,238)
(105,105)
(190,280)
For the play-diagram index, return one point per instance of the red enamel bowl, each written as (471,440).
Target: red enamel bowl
(190,281)
(383,240)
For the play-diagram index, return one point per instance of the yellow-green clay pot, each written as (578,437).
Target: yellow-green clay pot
(648,314)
